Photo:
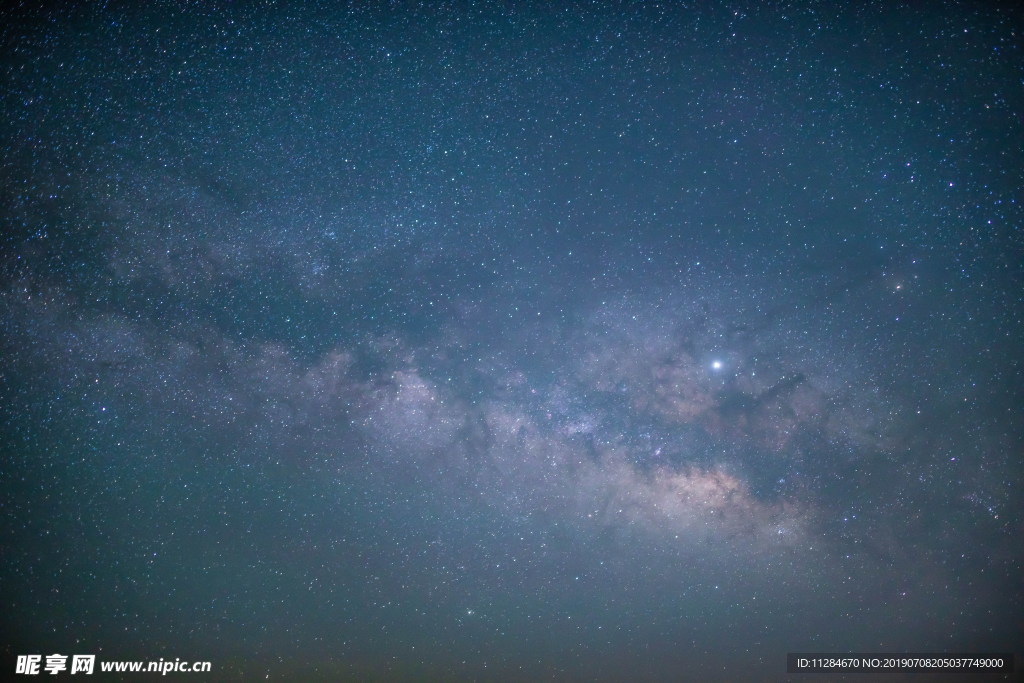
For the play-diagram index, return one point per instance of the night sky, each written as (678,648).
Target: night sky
(511,340)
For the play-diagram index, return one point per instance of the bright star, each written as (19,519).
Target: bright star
(716,365)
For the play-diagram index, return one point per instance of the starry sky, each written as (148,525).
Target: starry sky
(511,340)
